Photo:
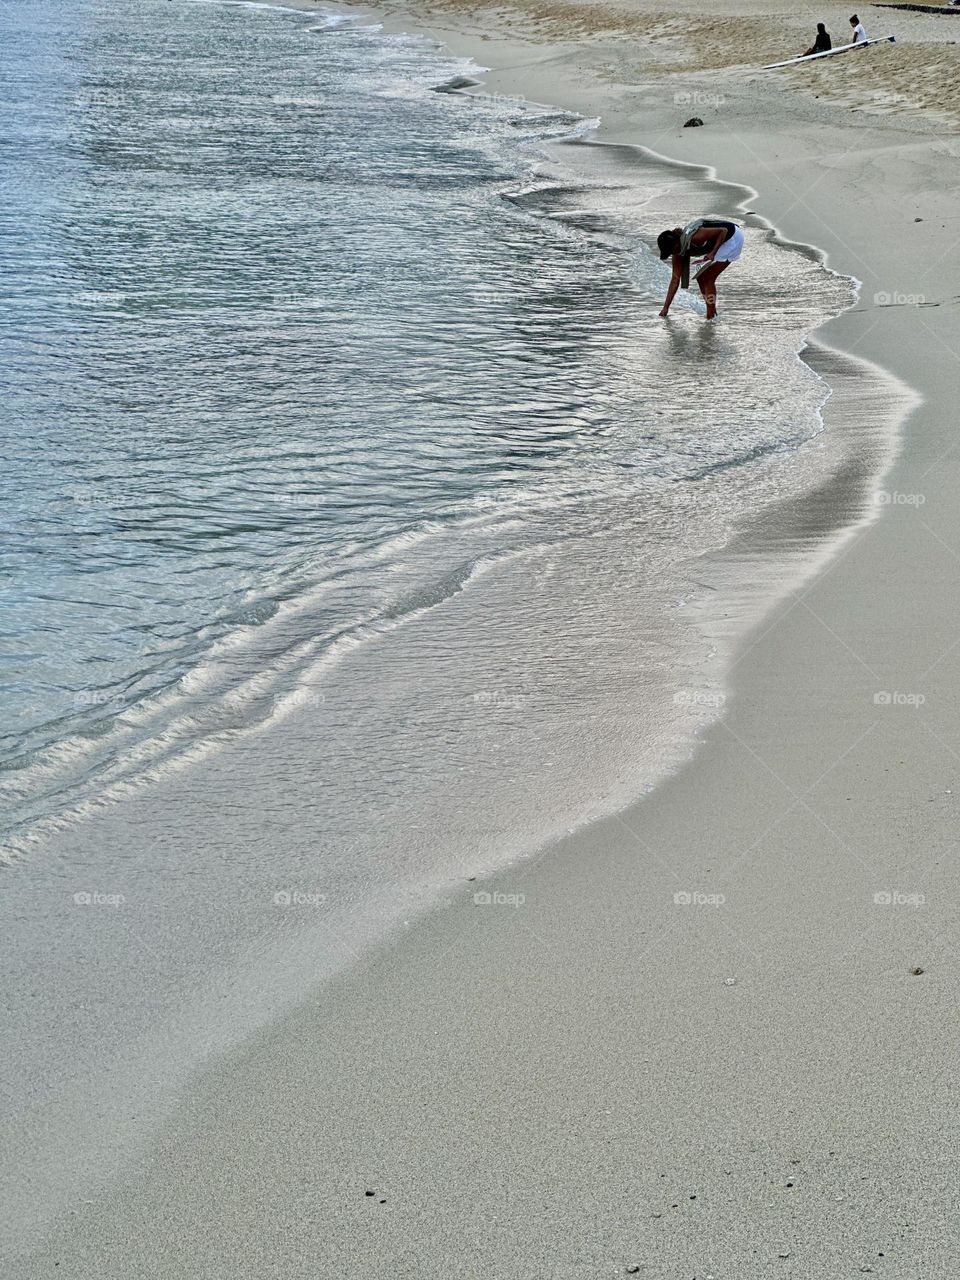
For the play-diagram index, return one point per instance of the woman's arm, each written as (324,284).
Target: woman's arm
(674,285)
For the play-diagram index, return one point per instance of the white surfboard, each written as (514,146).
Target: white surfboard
(828,53)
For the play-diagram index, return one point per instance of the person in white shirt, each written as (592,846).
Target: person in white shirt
(859,35)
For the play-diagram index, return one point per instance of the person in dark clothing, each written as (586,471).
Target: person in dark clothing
(822,42)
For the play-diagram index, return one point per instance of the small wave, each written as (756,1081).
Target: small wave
(455,84)
(261,4)
(298,102)
(332,20)
(342,22)
(210,706)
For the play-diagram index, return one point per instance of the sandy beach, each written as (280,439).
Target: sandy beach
(715,1035)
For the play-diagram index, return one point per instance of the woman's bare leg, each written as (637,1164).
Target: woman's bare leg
(707,280)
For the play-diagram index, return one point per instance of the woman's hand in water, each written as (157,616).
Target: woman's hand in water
(664,313)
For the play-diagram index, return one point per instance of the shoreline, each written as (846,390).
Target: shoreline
(530,1002)
(722,567)
(462,39)
(35,833)
(144,1067)
(600,1030)
(38,832)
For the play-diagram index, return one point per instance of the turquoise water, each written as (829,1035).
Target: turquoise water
(294,347)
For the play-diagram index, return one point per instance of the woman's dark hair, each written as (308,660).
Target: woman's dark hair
(854,20)
(821,27)
(668,242)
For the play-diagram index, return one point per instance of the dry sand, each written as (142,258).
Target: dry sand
(605,1079)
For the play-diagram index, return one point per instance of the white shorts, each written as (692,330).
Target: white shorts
(731,249)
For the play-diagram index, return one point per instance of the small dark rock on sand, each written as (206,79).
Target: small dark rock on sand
(915,973)
(693,123)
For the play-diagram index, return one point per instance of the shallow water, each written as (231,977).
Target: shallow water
(294,349)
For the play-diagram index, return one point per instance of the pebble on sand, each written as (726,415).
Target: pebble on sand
(693,123)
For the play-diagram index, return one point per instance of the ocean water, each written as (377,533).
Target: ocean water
(294,352)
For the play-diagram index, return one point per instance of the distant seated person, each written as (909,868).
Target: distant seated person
(822,44)
(859,35)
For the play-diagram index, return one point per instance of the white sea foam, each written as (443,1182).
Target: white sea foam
(558,493)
